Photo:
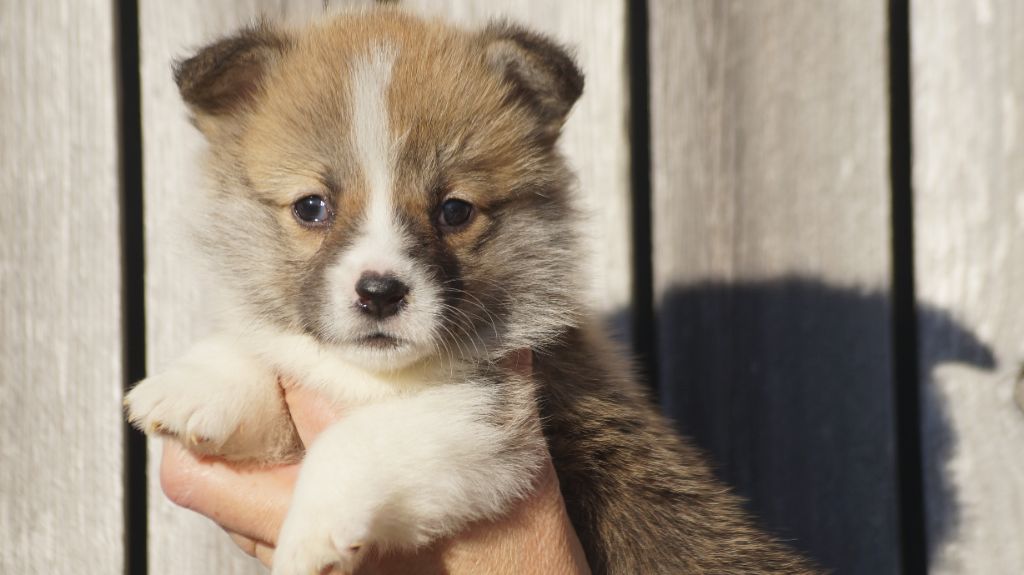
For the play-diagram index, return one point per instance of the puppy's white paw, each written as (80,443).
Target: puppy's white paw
(217,401)
(179,403)
(310,542)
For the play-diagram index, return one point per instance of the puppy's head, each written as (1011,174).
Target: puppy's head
(391,186)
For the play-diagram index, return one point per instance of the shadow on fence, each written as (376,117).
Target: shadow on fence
(788,384)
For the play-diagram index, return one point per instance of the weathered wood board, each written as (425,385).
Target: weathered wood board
(771,238)
(771,260)
(596,142)
(61,374)
(968,95)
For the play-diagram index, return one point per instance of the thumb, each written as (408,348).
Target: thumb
(310,412)
(251,501)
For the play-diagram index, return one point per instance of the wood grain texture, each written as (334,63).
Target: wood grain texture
(968,95)
(769,125)
(61,474)
(176,308)
(596,137)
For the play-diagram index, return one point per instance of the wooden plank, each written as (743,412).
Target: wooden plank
(596,138)
(177,311)
(61,480)
(771,261)
(968,93)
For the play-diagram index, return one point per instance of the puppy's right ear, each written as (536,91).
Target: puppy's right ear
(542,75)
(226,77)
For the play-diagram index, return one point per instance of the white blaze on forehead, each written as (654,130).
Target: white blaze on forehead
(381,243)
(381,237)
(371,134)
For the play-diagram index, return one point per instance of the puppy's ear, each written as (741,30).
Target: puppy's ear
(543,75)
(227,76)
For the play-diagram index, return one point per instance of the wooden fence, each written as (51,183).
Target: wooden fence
(807,217)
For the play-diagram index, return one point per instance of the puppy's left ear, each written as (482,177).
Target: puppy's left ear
(225,78)
(542,74)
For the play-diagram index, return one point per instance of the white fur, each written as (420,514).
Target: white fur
(217,388)
(418,455)
(402,473)
(380,247)
(382,244)
(371,126)
(303,359)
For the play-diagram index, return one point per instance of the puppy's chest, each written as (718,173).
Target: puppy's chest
(304,362)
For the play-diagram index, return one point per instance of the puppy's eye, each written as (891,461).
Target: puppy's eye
(454,213)
(312,211)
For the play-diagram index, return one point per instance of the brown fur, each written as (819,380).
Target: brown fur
(478,115)
(642,499)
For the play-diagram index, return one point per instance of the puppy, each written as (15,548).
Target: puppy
(391,217)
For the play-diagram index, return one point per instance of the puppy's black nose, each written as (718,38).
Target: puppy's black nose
(380,295)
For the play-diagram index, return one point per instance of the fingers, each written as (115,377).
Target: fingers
(265,554)
(244,543)
(309,411)
(261,551)
(251,502)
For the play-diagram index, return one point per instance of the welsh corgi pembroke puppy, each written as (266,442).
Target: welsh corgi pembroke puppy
(390,217)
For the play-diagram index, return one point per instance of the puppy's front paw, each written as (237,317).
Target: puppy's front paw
(217,402)
(311,542)
(176,403)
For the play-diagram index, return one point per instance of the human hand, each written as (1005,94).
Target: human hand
(250,504)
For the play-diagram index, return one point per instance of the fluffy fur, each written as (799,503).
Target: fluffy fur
(385,117)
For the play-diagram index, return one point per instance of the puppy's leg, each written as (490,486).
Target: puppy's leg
(403,473)
(218,400)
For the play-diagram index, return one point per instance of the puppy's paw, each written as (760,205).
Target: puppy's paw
(311,542)
(217,402)
(179,403)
